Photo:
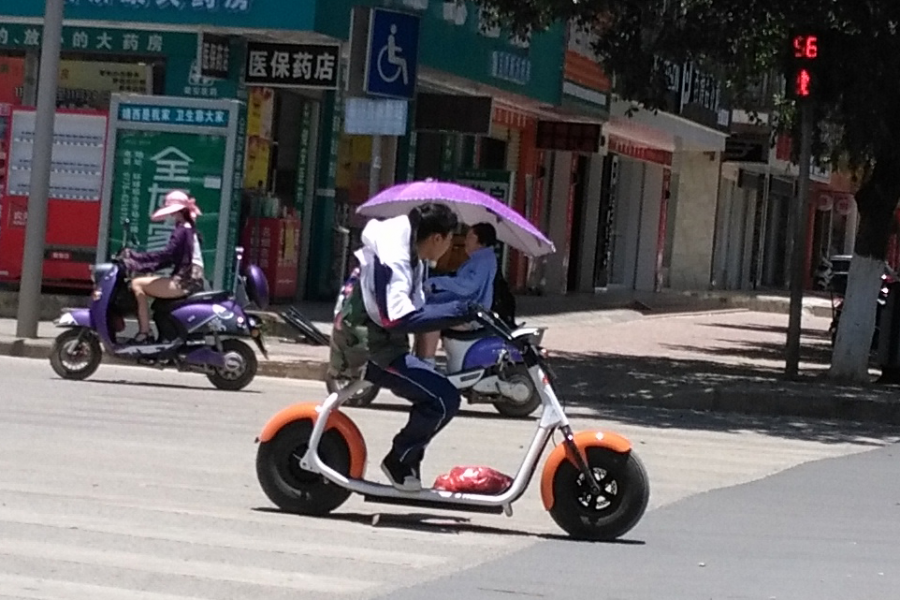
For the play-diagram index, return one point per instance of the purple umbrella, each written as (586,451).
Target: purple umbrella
(470,205)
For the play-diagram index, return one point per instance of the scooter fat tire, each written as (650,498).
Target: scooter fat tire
(583,517)
(296,490)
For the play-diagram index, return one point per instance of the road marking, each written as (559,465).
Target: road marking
(222,539)
(38,588)
(147,563)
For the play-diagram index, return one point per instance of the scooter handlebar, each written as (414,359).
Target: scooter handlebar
(489,320)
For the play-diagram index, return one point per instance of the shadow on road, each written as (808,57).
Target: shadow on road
(169,386)
(626,388)
(443,524)
(774,329)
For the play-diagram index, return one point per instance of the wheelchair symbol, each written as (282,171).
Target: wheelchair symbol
(390,54)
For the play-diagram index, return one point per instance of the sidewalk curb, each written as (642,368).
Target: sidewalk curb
(296,369)
(723,400)
(755,403)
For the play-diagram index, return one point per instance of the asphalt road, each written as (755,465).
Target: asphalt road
(140,485)
(828,530)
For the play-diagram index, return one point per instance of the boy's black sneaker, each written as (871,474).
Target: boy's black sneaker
(402,476)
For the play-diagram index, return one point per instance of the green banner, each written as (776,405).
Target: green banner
(303,183)
(498,184)
(150,164)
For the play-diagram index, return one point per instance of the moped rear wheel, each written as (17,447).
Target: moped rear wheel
(519,410)
(76,354)
(625,494)
(240,367)
(291,487)
(360,399)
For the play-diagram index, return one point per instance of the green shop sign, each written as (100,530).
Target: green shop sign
(182,75)
(148,158)
(92,39)
(531,68)
(244,14)
(138,113)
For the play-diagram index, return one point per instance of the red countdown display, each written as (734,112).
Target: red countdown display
(803,74)
(806,46)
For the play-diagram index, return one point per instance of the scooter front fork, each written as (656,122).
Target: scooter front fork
(580,461)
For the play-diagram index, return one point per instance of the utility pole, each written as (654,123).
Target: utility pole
(798,254)
(805,85)
(29,310)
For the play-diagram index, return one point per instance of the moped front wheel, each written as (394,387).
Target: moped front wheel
(291,487)
(625,492)
(76,354)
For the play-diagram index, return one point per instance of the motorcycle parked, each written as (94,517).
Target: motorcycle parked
(312,457)
(832,275)
(198,333)
(484,367)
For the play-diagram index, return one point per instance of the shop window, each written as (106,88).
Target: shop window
(493,154)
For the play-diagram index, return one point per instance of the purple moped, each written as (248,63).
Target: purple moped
(198,333)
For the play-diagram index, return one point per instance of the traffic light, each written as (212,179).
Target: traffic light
(804,73)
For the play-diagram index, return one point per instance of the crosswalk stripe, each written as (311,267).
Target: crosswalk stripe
(213,537)
(195,568)
(39,588)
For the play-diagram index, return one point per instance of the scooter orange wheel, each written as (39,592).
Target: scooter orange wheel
(289,486)
(625,494)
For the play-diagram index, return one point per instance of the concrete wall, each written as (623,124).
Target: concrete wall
(648,237)
(695,220)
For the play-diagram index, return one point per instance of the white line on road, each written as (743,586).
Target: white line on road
(38,588)
(223,539)
(133,561)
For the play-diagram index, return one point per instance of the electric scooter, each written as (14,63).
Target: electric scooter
(312,457)
(482,366)
(196,334)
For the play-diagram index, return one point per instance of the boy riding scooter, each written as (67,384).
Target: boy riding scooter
(391,278)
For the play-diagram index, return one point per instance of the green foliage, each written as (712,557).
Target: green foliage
(742,40)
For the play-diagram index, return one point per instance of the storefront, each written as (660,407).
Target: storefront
(661,188)
(831,213)
(96,62)
(510,86)
(153,49)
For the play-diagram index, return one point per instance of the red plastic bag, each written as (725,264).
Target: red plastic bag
(473,480)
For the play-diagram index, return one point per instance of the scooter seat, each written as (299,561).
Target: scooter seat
(465,336)
(168,305)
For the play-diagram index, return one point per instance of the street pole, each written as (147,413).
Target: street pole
(798,254)
(29,310)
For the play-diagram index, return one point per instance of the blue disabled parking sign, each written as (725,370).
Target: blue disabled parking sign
(393,54)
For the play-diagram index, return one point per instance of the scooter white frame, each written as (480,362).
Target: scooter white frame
(553,417)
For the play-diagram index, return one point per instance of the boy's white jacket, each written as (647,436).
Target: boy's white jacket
(385,257)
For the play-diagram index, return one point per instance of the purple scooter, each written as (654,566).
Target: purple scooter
(195,334)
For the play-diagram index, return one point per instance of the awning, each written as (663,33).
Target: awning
(662,130)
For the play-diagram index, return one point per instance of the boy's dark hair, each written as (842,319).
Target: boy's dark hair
(432,218)
(486,234)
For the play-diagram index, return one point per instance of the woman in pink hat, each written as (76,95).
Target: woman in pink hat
(182,253)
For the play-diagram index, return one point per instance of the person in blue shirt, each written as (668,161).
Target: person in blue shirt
(473,282)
